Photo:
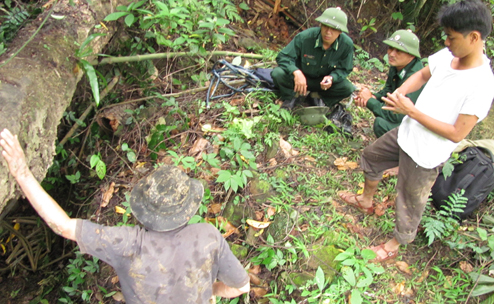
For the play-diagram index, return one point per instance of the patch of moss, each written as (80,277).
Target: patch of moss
(239,251)
(281,174)
(323,256)
(300,279)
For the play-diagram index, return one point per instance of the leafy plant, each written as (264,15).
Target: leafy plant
(269,257)
(125,212)
(230,111)
(77,269)
(84,51)
(74,178)
(131,155)
(193,25)
(449,165)
(245,126)
(233,180)
(211,159)
(369,26)
(358,272)
(444,223)
(188,162)
(241,159)
(485,284)
(99,165)
(313,295)
(156,140)
(12,21)
(397,16)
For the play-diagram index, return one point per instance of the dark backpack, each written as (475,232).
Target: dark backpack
(475,175)
(265,77)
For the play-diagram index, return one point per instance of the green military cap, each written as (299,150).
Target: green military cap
(166,199)
(335,18)
(406,41)
(312,115)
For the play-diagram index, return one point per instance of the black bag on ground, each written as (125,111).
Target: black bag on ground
(341,119)
(475,175)
(237,79)
(265,77)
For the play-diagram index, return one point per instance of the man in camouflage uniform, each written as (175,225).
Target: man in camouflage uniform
(318,60)
(404,59)
(167,261)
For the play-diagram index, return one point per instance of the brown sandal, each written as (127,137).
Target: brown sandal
(389,254)
(345,195)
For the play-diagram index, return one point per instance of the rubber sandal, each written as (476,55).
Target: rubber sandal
(344,195)
(389,254)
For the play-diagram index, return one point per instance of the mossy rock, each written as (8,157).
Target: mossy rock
(260,190)
(251,237)
(239,251)
(236,213)
(484,129)
(323,256)
(273,150)
(252,44)
(300,278)
(282,224)
(332,237)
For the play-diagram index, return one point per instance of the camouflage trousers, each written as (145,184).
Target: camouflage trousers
(413,187)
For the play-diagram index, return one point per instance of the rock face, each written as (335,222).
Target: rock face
(484,129)
(38,84)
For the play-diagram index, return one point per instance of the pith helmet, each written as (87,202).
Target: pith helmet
(166,199)
(406,41)
(312,115)
(334,17)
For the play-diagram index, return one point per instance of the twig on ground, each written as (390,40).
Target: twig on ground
(76,125)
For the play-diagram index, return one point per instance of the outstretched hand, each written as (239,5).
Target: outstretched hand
(13,154)
(363,96)
(398,103)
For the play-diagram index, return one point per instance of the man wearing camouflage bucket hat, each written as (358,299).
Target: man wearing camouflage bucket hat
(167,261)
(404,59)
(318,60)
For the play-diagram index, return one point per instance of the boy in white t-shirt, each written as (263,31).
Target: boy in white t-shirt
(458,95)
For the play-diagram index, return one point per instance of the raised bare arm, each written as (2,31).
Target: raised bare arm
(42,202)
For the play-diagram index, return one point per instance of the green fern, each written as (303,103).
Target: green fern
(443,223)
(456,203)
(434,229)
(12,22)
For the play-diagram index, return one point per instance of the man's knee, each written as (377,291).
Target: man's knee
(382,126)
(278,73)
(344,88)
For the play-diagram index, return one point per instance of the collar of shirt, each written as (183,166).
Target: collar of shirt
(319,43)
(404,71)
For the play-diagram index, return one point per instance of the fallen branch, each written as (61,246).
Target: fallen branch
(109,60)
(191,91)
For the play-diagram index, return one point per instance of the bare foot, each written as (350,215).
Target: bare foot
(392,172)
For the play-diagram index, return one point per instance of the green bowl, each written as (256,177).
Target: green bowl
(312,115)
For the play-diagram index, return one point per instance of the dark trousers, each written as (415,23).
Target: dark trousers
(285,83)
(381,126)
(414,182)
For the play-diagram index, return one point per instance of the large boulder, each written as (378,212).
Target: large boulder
(38,84)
